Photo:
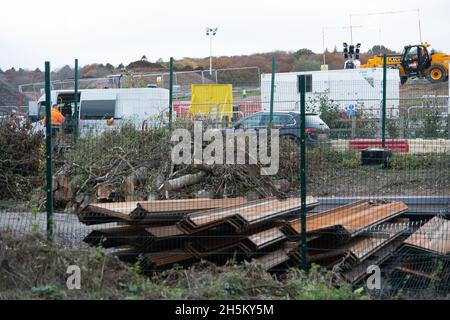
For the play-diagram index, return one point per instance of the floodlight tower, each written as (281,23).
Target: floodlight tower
(210,32)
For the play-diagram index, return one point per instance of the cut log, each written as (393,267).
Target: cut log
(54,183)
(184,181)
(64,181)
(139,176)
(105,192)
(62,195)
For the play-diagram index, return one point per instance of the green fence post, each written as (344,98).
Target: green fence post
(171,93)
(272,89)
(383,111)
(75,110)
(48,150)
(302,85)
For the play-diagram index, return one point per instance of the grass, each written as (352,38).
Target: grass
(32,268)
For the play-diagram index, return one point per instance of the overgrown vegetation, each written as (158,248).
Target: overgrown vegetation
(113,156)
(20,158)
(343,126)
(31,268)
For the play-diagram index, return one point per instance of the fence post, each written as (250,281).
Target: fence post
(302,85)
(272,90)
(170,93)
(48,151)
(383,111)
(448,122)
(75,101)
(353,133)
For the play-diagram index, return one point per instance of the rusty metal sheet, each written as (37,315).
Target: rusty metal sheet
(273,259)
(187,205)
(151,211)
(266,238)
(364,246)
(358,272)
(433,236)
(352,218)
(164,231)
(241,216)
(159,260)
(224,250)
(250,244)
(107,212)
(172,211)
(137,236)
(118,236)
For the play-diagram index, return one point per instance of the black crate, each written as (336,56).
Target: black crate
(375,156)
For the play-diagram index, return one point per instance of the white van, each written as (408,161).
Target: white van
(140,106)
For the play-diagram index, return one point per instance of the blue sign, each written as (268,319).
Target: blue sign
(351,110)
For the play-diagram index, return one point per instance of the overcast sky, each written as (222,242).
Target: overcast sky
(122,31)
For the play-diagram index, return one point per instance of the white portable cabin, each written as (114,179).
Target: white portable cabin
(351,88)
(140,106)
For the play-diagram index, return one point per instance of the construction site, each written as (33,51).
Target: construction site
(170,173)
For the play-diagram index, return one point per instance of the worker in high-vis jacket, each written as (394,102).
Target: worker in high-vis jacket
(56,119)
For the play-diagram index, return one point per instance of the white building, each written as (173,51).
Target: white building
(353,88)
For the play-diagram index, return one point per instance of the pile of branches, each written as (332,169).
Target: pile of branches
(118,165)
(20,157)
(134,165)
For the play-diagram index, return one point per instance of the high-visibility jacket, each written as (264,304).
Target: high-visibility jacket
(57,119)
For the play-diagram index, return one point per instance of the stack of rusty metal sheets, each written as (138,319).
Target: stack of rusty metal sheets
(160,234)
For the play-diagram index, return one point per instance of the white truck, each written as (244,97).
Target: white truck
(350,89)
(105,109)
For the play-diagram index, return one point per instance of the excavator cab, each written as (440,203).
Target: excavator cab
(418,62)
(415,61)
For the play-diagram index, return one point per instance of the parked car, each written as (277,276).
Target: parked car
(317,131)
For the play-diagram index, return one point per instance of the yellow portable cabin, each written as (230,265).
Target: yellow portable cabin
(212,101)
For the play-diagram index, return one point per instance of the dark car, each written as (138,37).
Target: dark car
(317,131)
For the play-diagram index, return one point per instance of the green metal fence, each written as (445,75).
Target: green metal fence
(337,197)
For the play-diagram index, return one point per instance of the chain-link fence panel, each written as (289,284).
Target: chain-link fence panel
(223,182)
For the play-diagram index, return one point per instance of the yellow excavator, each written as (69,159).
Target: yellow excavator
(416,62)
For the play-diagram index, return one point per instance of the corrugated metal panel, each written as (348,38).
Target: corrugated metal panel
(158,260)
(242,216)
(364,246)
(359,271)
(107,212)
(151,211)
(273,259)
(434,236)
(353,218)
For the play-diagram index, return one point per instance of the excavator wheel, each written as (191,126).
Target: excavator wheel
(436,74)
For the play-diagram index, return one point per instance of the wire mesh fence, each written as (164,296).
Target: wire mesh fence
(223,181)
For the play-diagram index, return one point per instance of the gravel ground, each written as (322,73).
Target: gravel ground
(67,230)
(378,182)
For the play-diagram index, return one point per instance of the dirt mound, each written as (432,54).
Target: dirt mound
(10,96)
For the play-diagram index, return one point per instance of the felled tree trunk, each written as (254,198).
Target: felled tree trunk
(139,177)
(184,181)
(61,187)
